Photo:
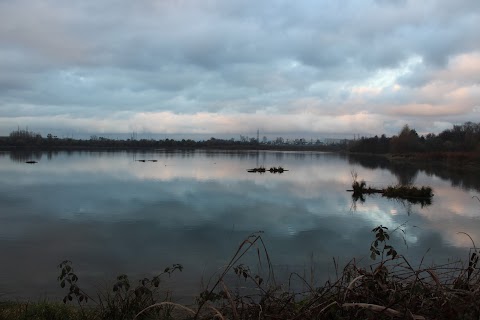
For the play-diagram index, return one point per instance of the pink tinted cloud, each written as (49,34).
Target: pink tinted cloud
(464,68)
(425,110)
(454,90)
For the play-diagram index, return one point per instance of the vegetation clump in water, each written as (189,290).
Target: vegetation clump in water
(277,169)
(271,170)
(407,192)
(413,194)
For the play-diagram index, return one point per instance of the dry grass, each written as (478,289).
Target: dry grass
(389,289)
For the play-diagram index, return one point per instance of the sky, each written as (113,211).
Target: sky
(218,67)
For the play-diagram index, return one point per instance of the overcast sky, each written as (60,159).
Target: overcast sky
(319,67)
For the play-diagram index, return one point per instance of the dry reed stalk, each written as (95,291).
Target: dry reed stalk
(328,306)
(217,314)
(232,303)
(160,304)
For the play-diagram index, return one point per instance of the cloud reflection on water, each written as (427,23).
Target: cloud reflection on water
(111,214)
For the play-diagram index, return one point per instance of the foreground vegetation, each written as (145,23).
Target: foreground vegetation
(390,288)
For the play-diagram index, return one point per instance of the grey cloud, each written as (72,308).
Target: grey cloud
(391,2)
(418,77)
(92,59)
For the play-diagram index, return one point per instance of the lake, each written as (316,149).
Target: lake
(110,214)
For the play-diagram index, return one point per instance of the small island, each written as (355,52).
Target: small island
(410,193)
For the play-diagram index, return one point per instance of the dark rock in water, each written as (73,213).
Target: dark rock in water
(141,160)
(31,161)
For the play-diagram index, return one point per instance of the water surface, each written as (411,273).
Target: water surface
(111,214)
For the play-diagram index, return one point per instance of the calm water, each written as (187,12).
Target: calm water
(110,214)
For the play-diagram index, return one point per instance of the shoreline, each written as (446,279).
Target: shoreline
(150,148)
(458,161)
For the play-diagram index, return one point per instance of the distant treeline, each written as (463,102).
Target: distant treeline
(29,139)
(461,138)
